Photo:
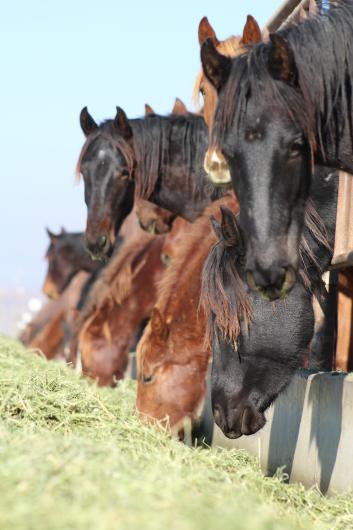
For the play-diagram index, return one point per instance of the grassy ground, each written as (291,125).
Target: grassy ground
(76,457)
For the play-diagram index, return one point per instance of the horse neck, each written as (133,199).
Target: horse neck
(184,278)
(170,153)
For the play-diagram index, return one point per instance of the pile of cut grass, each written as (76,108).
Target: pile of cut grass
(75,456)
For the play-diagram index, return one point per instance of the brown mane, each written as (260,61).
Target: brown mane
(107,334)
(317,228)
(224,297)
(115,281)
(198,240)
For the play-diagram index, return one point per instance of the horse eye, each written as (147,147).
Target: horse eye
(148,379)
(124,174)
(296,148)
(202,92)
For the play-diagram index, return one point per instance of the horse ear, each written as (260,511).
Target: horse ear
(206,31)
(230,230)
(216,227)
(281,62)
(179,107)
(158,324)
(251,32)
(148,110)
(51,234)
(121,123)
(215,66)
(88,125)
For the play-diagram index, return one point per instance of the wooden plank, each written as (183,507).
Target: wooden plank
(281,14)
(343,251)
(344,344)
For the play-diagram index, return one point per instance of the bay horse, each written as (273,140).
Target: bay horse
(158,158)
(281,106)
(50,329)
(118,303)
(66,256)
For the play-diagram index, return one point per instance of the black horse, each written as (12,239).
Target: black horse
(253,363)
(158,158)
(282,106)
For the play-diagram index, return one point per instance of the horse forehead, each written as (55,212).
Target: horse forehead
(255,129)
(99,149)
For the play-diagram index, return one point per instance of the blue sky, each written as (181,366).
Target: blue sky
(57,57)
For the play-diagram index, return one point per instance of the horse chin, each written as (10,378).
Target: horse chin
(99,257)
(217,168)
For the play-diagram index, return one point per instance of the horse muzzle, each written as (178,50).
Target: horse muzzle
(272,283)
(217,168)
(100,248)
(237,422)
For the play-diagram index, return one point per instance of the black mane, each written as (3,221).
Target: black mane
(155,137)
(157,142)
(323,101)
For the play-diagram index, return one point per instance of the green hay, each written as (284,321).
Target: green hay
(73,456)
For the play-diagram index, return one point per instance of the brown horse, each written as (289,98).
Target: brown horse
(120,301)
(49,331)
(172,356)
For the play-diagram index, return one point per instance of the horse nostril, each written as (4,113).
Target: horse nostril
(289,280)
(101,241)
(166,259)
(251,280)
(216,415)
(273,282)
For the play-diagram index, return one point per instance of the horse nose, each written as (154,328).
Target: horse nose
(235,422)
(272,282)
(101,242)
(252,421)
(100,247)
(227,421)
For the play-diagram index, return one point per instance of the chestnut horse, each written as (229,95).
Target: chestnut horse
(120,300)
(152,218)
(172,355)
